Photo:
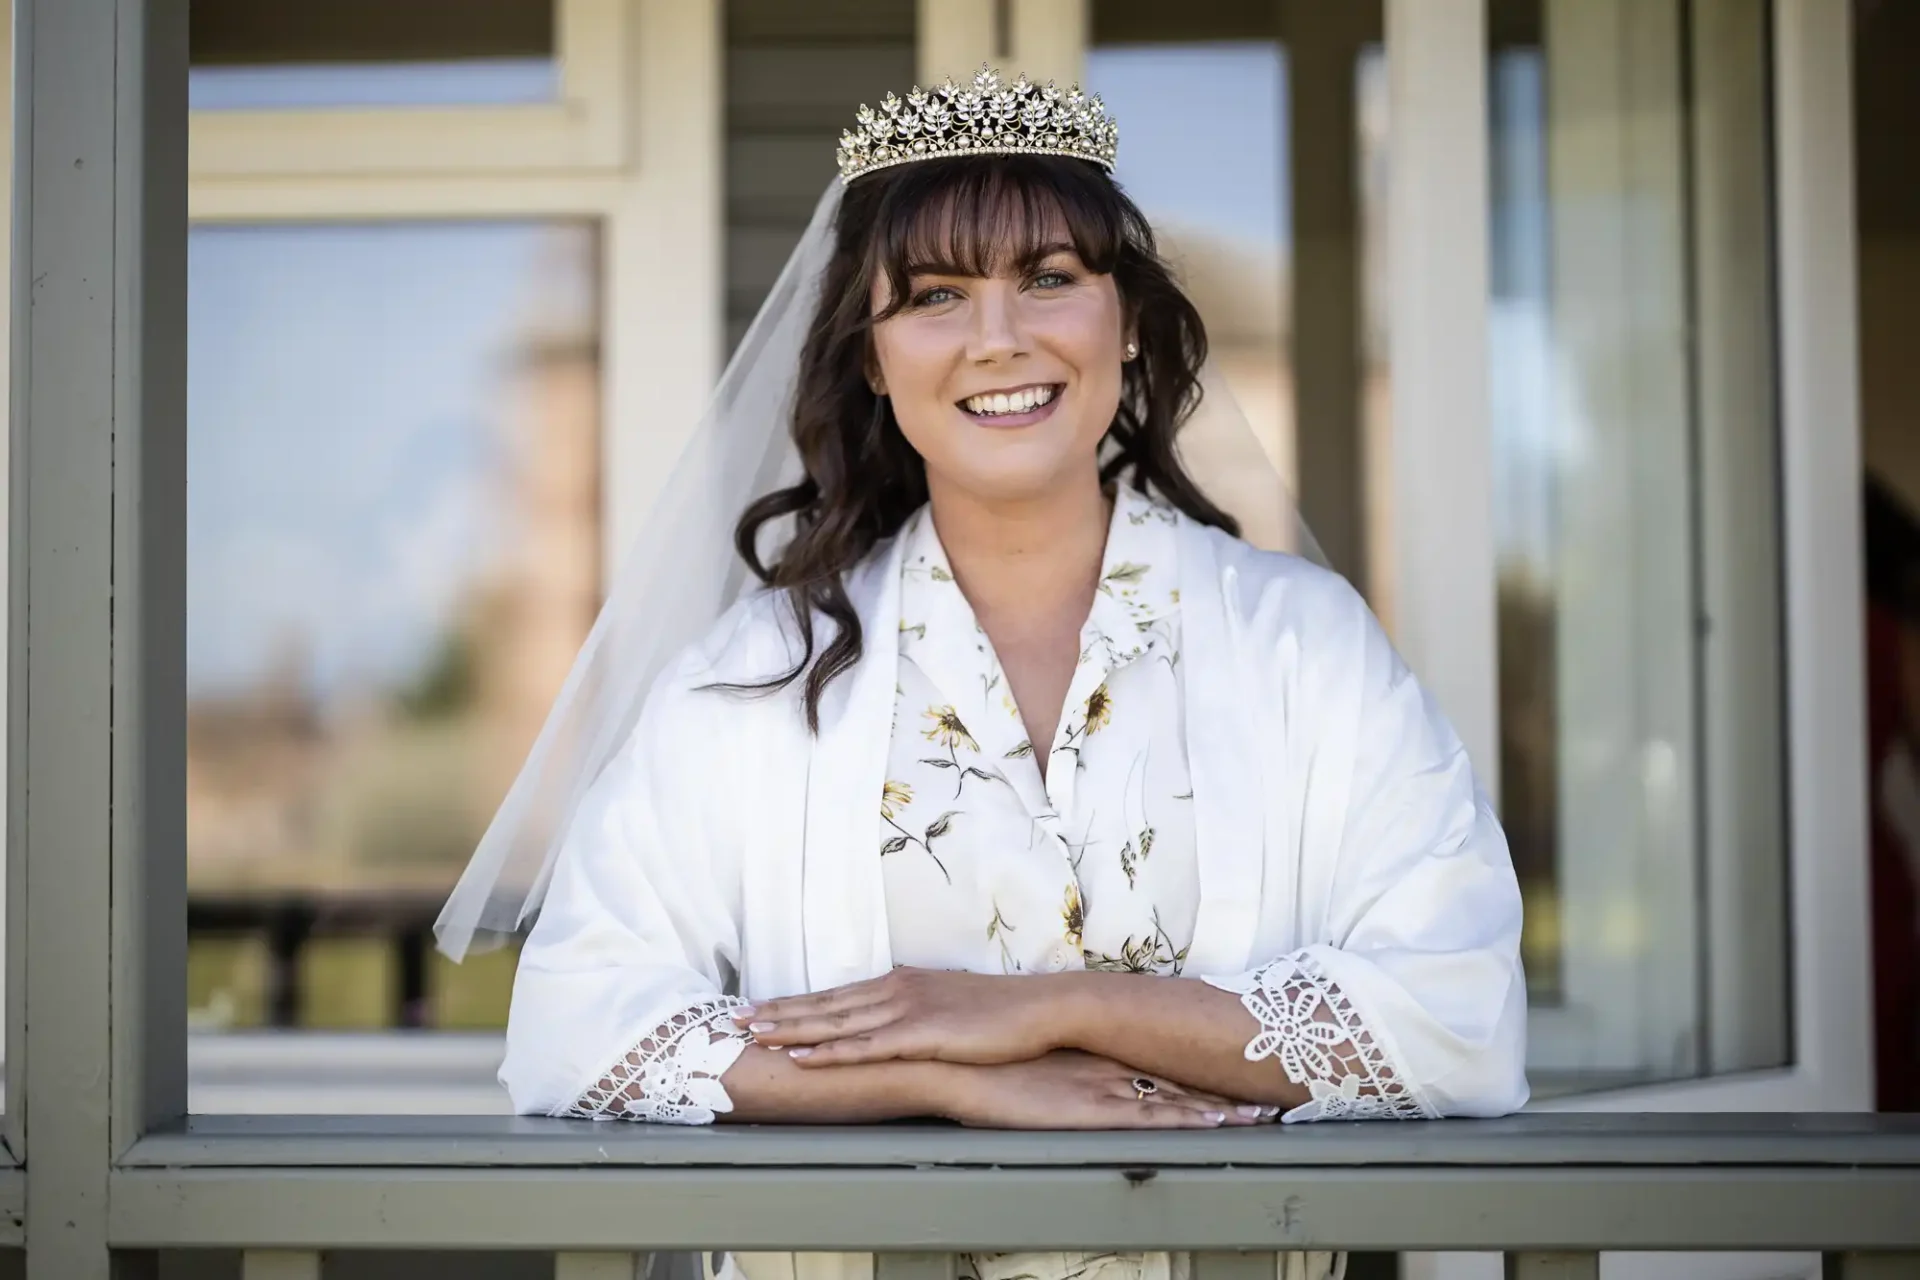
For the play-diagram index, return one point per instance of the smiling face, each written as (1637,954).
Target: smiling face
(1004,377)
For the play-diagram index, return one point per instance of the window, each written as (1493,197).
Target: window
(1246,142)
(394,541)
(361,53)
(1223,225)
(1635,524)
(504,88)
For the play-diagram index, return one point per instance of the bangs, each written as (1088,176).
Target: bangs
(988,215)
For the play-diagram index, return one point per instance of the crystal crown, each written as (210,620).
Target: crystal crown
(987,118)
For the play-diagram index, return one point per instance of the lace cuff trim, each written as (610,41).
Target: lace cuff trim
(672,1076)
(1311,1026)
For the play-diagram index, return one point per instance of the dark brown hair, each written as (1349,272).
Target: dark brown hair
(970,216)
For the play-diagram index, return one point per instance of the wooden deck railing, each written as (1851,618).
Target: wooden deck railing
(1551,1191)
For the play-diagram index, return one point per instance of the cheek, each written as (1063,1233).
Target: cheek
(911,363)
(1088,341)
(916,363)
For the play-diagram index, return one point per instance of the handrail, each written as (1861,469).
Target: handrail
(1816,1182)
(1552,1139)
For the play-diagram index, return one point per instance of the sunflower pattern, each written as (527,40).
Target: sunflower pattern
(994,864)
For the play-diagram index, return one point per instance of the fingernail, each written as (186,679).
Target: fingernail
(1216,1117)
(1252,1112)
(744,1012)
(1269,1112)
(760,1028)
(798,1053)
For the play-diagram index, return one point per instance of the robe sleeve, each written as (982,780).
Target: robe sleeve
(620,1005)
(1414,1005)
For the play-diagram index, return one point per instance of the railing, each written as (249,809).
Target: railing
(1549,1190)
(287,920)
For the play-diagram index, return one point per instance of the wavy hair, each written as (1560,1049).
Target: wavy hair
(974,215)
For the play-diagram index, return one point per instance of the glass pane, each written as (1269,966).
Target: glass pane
(1525,486)
(479,82)
(1634,473)
(1222,220)
(286,54)
(1374,518)
(1246,141)
(393,546)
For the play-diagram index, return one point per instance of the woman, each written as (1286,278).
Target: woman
(1024,794)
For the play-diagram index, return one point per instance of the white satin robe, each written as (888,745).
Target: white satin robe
(728,852)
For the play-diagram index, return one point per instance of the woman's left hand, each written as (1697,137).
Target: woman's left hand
(921,1014)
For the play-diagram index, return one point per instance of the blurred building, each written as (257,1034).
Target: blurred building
(464,270)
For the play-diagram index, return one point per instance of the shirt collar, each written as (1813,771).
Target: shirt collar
(929,596)
(1139,576)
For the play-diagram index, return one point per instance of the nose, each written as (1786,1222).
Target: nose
(999,328)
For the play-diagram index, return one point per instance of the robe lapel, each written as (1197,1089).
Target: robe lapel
(843,904)
(1229,810)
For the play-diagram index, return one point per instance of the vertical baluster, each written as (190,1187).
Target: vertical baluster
(1236,1265)
(280,1264)
(915,1266)
(596,1266)
(1554,1266)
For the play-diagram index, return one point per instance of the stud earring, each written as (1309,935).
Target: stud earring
(1133,349)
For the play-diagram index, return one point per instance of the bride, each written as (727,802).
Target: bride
(1021,792)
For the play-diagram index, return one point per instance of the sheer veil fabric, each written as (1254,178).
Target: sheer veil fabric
(682,574)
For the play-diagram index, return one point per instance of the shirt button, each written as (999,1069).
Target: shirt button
(1058,958)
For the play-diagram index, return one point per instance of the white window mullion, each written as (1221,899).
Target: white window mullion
(1742,736)
(1045,39)
(1820,487)
(1049,39)
(665,273)
(1441,507)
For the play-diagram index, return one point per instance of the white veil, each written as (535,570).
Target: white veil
(682,574)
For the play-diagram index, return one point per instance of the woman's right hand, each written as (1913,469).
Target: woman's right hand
(1071,1090)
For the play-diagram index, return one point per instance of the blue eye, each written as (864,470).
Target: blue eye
(1052,280)
(935,296)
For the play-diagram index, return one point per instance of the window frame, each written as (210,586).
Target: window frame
(586,128)
(1619,73)
(660,231)
(631,84)
(1813,238)
(656,199)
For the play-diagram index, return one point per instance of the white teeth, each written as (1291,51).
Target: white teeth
(1018,402)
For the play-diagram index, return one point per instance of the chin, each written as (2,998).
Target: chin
(1026,483)
(1013,465)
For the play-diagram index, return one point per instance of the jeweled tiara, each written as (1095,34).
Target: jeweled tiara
(989,118)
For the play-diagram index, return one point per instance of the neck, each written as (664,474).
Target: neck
(1016,558)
